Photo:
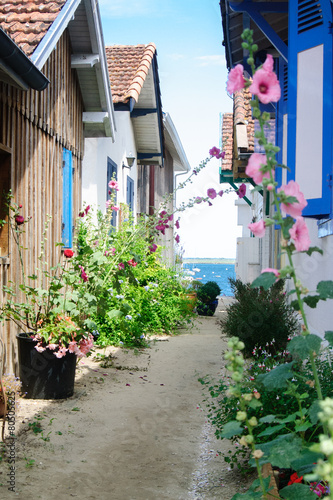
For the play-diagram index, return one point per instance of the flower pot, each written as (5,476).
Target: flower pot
(42,374)
(3,409)
(266,472)
(207,309)
(191,300)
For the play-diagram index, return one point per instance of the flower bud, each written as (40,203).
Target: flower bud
(19,219)
(257,454)
(236,376)
(249,439)
(253,422)
(241,416)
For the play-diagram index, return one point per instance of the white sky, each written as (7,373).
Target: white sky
(188,36)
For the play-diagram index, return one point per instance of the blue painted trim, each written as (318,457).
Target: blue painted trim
(130,193)
(321,207)
(67,199)
(142,112)
(325,228)
(131,103)
(144,156)
(251,9)
(159,105)
(122,106)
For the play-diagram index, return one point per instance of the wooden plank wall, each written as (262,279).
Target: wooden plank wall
(34,129)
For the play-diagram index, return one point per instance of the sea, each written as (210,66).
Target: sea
(212,272)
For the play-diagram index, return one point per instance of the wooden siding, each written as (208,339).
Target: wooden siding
(35,127)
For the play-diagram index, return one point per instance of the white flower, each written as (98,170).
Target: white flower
(119,296)
(120,281)
(128,316)
(146,288)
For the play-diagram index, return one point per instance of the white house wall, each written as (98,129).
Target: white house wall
(94,171)
(311,270)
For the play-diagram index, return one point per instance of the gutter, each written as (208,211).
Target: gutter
(18,66)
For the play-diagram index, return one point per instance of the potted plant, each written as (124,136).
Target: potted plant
(191,293)
(49,339)
(207,298)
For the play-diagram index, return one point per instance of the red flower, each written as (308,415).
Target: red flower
(68,253)
(295,479)
(19,219)
(132,263)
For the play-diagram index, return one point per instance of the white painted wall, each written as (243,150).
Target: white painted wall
(311,270)
(94,168)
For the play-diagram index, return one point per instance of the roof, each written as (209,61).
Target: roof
(128,68)
(236,16)
(174,145)
(36,26)
(27,22)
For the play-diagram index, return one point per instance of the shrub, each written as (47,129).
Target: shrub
(208,292)
(260,316)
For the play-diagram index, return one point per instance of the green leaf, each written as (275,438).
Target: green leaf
(267,419)
(301,346)
(314,249)
(249,495)
(314,410)
(303,427)
(329,337)
(312,300)
(231,429)
(288,223)
(283,450)
(271,430)
(305,462)
(115,313)
(290,418)
(277,378)
(296,491)
(254,403)
(325,289)
(295,305)
(265,280)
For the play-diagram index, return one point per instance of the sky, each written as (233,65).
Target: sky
(192,71)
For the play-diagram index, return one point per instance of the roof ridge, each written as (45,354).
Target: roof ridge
(140,75)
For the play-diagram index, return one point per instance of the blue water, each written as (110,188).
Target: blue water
(214,272)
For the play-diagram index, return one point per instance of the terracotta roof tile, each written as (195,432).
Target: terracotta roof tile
(227,140)
(26,22)
(128,67)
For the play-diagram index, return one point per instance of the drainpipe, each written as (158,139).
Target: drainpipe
(151,189)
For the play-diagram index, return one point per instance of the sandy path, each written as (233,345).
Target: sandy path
(132,431)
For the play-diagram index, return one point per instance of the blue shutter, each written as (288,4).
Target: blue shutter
(112,173)
(281,110)
(310,96)
(130,193)
(67,199)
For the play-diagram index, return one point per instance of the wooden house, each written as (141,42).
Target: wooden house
(298,34)
(43,126)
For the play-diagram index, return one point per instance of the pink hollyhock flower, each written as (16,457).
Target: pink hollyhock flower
(256,161)
(220,193)
(161,227)
(235,79)
(108,203)
(170,217)
(153,248)
(121,266)
(198,199)
(68,253)
(114,185)
(209,203)
(132,263)
(84,275)
(292,189)
(211,193)
(241,191)
(299,233)
(81,214)
(115,209)
(217,152)
(177,225)
(265,83)
(86,210)
(19,219)
(271,270)
(257,228)
(177,238)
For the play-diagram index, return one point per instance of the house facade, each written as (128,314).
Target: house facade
(298,36)
(43,126)
(146,151)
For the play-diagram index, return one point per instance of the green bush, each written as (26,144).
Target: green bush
(208,292)
(260,316)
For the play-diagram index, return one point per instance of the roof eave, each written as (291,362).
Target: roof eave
(18,68)
(181,161)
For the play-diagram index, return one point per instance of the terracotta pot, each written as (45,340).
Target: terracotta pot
(191,299)
(266,471)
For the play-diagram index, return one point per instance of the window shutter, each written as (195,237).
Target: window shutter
(310,103)
(112,173)
(130,193)
(67,199)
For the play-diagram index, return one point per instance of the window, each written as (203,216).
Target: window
(67,199)
(130,194)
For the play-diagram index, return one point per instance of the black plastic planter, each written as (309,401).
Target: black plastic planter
(207,309)
(43,375)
